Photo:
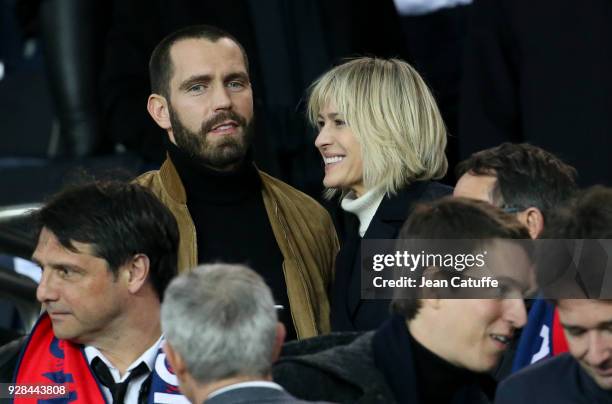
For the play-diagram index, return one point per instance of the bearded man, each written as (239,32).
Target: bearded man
(226,208)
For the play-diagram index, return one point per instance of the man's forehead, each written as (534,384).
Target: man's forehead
(192,54)
(509,260)
(49,243)
(474,186)
(588,313)
(600,305)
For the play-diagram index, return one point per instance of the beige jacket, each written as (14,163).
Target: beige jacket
(303,230)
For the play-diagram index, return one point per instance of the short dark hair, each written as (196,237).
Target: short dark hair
(587,218)
(526,176)
(455,218)
(119,220)
(161,68)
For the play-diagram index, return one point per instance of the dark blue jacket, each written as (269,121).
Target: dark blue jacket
(558,380)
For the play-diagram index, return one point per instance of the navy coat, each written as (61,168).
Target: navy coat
(348,311)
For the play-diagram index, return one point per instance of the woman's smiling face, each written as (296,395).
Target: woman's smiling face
(340,150)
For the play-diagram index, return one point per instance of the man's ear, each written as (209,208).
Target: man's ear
(138,268)
(157,105)
(431,303)
(175,360)
(279,339)
(533,219)
(431,273)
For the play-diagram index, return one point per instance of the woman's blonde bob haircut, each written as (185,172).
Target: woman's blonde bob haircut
(392,114)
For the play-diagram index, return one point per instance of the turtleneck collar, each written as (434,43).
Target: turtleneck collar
(363,207)
(433,371)
(401,358)
(205,185)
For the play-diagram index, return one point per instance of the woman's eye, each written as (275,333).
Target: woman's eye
(339,122)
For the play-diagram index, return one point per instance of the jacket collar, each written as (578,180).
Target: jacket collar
(394,210)
(352,363)
(172,181)
(411,370)
(393,357)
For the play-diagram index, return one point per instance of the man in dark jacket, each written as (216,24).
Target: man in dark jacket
(432,341)
(584,375)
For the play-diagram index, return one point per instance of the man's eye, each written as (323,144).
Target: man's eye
(235,85)
(509,291)
(575,332)
(63,272)
(196,88)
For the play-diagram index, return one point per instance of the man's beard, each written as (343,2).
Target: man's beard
(226,153)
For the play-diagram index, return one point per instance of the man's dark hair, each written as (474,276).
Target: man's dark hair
(455,218)
(161,67)
(586,219)
(119,220)
(586,216)
(526,176)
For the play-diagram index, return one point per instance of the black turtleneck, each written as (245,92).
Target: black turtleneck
(232,224)
(433,372)
(414,373)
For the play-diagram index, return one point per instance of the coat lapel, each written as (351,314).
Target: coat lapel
(386,224)
(341,294)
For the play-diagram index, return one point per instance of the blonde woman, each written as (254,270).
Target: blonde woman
(382,141)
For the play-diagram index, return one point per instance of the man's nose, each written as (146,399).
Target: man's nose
(516,313)
(599,348)
(221,98)
(46,290)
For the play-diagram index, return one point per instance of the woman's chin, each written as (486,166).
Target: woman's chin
(328,183)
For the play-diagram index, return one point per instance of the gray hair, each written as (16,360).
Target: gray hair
(221,319)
